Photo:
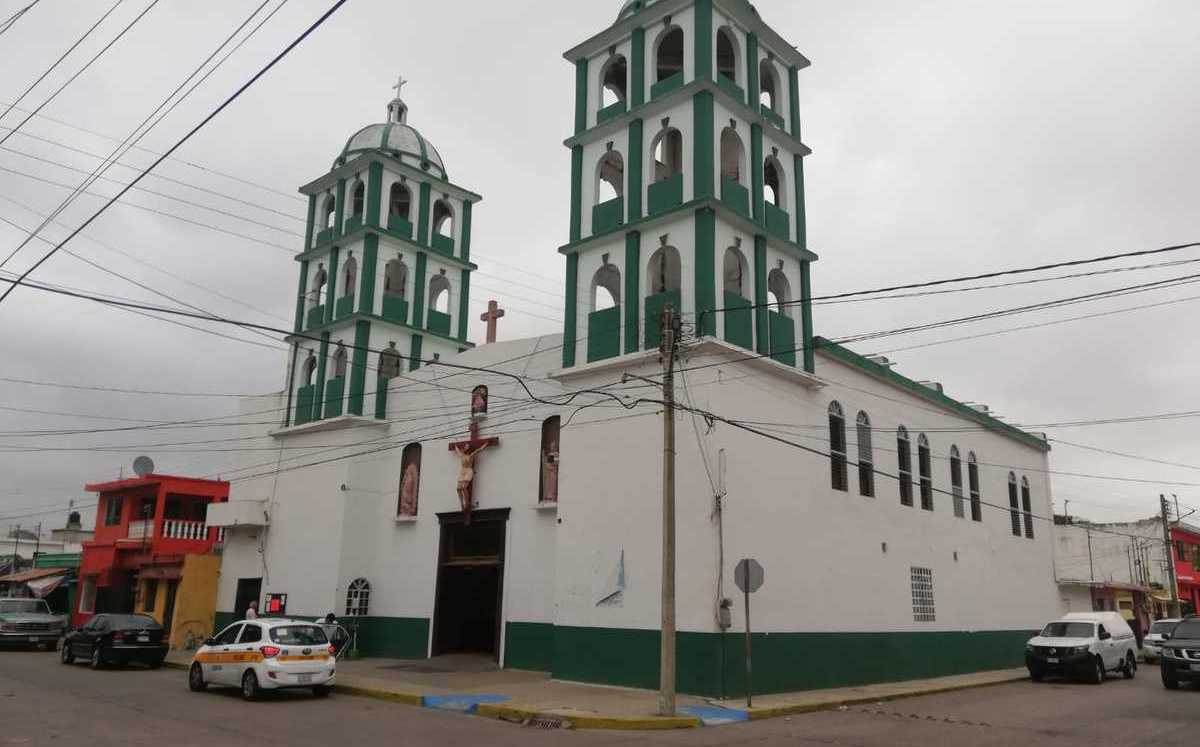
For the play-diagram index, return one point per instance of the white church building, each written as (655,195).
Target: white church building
(506,499)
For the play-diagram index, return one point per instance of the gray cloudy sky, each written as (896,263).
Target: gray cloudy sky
(950,137)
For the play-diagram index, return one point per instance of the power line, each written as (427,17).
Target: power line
(11,21)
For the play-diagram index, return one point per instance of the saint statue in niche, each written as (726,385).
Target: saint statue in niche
(479,403)
(408,489)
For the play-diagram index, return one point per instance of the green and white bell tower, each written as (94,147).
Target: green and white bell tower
(687,184)
(385,273)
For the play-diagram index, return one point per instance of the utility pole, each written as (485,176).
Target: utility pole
(1166,526)
(1091,566)
(666,683)
(16,564)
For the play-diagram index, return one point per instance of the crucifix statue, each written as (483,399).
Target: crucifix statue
(468,451)
(493,313)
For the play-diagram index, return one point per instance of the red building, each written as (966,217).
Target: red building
(146,527)
(1185,551)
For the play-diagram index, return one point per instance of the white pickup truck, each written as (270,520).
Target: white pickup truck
(29,621)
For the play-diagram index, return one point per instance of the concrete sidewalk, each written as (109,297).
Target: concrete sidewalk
(474,685)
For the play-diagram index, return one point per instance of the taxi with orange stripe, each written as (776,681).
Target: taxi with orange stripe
(266,654)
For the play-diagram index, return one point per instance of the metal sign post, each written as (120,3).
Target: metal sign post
(748,575)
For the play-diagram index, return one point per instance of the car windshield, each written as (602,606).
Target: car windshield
(1163,627)
(1069,630)
(299,635)
(1188,630)
(132,621)
(23,606)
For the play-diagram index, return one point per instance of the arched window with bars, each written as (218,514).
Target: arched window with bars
(904,466)
(925,468)
(973,487)
(1027,507)
(866,457)
(1014,506)
(956,484)
(837,447)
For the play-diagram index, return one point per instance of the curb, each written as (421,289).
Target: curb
(403,698)
(648,723)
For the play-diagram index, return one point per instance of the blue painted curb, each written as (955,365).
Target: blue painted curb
(460,703)
(715,715)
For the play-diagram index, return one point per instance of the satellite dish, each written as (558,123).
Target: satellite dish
(143,466)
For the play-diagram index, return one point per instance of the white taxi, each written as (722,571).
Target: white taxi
(265,654)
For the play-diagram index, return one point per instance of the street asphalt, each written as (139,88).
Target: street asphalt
(43,702)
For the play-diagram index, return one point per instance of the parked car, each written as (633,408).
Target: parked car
(116,639)
(266,654)
(1159,631)
(1181,653)
(29,621)
(1086,645)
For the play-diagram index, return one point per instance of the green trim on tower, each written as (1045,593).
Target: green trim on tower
(464,313)
(414,355)
(706,276)
(576,192)
(358,367)
(332,284)
(366,291)
(762,331)
(581,95)
(423,214)
(801,218)
(319,397)
(703,147)
(757,206)
(300,297)
(637,67)
(794,99)
(287,414)
(418,311)
(633,190)
(310,222)
(339,207)
(633,281)
(374,193)
(753,86)
(806,321)
(571,311)
(464,241)
(703,23)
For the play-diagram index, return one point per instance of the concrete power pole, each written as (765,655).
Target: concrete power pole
(1166,527)
(666,683)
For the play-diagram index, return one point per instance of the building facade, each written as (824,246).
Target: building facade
(506,499)
(1185,553)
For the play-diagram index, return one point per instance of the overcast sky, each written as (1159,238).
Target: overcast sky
(949,137)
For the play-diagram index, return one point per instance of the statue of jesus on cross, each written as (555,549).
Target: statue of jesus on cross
(468,452)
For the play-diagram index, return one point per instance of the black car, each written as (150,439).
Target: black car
(1181,653)
(116,639)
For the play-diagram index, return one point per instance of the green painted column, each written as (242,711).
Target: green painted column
(633,188)
(339,207)
(287,415)
(801,217)
(794,99)
(757,207)
(374,193)
(762,332)
(319,398)
(414,355)
(633,284)
(465,240)
(637,68)
(310,222)
(571,311)
(464,309)
(358,367)
(423,214)
(704,150)
(581,95)
(706,276)
(366,294)
(806,323)
(418,310)
(300,296)
(704,39)
(332,283)
(576,192)
(753,87)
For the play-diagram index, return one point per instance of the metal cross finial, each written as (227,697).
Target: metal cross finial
(400,83)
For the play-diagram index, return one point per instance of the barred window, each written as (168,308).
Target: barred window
(1014,509)
(973,486)
(358,598)
(925,465)
(1027,507)
(837,447)
(956,490)
(904,464)
(922,595)
(866,459)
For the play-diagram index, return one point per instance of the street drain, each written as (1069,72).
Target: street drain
(548,722)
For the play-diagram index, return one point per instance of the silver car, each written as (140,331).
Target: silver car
(1152,644)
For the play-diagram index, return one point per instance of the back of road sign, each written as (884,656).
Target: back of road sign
(748,575)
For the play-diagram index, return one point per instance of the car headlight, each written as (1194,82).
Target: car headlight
(7,628)
(1029,647)
(1080,649)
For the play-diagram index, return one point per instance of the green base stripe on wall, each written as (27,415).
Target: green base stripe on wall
(529,646)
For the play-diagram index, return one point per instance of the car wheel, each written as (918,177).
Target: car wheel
(1130,669)
(1097,675)
(67,656)
(1036,676)
(322,691)
(96,662)
(156,663)
(250,690)
(196,681)
(1168,679)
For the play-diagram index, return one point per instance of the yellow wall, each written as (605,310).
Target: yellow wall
(196,600)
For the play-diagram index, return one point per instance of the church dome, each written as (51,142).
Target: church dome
(397,140)
(632,6)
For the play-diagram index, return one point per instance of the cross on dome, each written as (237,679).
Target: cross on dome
(397,109)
